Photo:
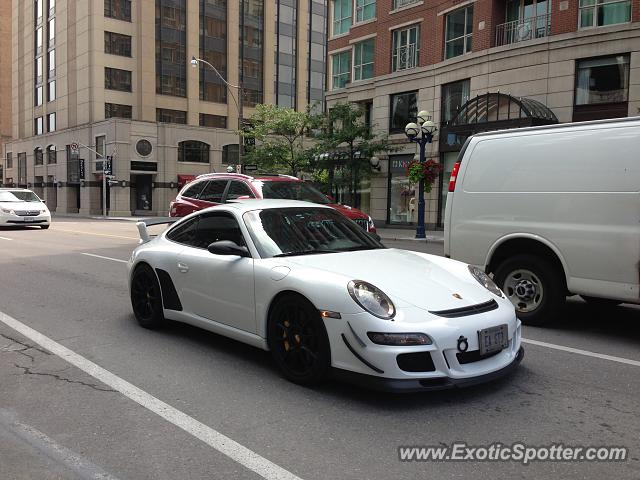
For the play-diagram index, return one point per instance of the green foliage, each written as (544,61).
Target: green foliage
(279,135)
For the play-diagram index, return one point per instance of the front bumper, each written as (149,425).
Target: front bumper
(17,220)
(383,384)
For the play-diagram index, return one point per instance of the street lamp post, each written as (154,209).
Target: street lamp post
(421,133)
(239,104)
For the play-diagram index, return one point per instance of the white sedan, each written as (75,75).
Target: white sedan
(323,296)
(19,206)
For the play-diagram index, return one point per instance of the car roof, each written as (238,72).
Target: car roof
(258,176)
(247,205)
(9,189)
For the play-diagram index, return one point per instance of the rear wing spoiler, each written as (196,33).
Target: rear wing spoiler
(149,222)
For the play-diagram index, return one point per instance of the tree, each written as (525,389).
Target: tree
(345,140)
(279,134)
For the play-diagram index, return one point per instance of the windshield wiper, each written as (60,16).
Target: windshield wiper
(304,252)
(361,247)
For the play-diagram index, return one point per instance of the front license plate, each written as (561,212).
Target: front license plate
(28,220)
(493,339)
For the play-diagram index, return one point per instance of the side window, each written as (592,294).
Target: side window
(214,227)
(239,189)
(213,191)
(194,189)
(185,232)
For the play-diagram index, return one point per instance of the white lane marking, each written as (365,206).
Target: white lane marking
(104,258)
(52,449)
(208,435)
(5,238)
(587,353)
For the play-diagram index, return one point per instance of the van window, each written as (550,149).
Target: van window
(595,160)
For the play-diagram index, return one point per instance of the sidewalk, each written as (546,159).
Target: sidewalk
(402,234)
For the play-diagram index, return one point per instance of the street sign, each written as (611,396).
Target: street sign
(75,148)
(108,170)
(81,169)
(250,168)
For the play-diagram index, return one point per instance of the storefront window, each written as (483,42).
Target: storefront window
(403,203)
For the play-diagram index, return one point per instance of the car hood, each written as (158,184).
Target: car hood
(348,211)
(425,281)
(22,205)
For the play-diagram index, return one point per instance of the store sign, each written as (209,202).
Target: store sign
(399,163)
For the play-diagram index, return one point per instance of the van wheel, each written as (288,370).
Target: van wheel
(601,302)
(534,286)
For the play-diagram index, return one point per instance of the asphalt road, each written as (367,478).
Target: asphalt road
(56,421)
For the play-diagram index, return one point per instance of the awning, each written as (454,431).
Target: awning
(184,179)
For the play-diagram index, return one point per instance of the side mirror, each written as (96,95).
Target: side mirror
(227,247)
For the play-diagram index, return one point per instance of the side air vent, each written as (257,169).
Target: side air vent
(465,311)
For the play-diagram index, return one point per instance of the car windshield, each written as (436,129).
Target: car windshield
(18,196)
(280,232)
(292,191)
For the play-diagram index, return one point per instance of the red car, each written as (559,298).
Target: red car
(216,188)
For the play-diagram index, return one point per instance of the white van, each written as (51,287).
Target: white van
(550,211)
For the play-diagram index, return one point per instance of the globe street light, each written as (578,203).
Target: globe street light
(421,132)
(239,105)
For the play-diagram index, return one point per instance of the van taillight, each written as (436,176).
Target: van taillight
(454,176)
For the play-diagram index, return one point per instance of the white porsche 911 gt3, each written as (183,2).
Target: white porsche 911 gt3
(322,295)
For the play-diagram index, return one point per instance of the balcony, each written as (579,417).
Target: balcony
(523,30)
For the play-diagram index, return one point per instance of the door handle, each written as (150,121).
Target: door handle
(182,267)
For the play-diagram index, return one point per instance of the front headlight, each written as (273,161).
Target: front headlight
(6,210)
(484,280)
(372,299)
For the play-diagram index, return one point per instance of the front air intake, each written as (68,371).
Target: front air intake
(466,311)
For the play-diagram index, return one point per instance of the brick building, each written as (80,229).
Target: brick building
(476,65)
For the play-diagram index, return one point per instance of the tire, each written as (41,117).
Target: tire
(44,227)
(601,302)
(146,297)
(534,286)
(293,320)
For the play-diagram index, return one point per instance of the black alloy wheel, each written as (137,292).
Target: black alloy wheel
(146,298)
(298,340)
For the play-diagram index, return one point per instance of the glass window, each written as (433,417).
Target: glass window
(117,44)
(404,109)
(305,231)
(38,96)
(458,32)
(112,110)
(51,8)
(406,48)
(251,69)
(51,64)
(340,69)
(239,189)
(342,13)
(101,144)
(39,68)
(51,28)
(452,97)
(118,9)
(171,45)
(39,40)
(165,115)
(216,227)
(185,232)
(116,79)
(38,124)
(213,191)
(9,162)
(51,122)
(213,49)
(365,10)
(597,13)
(363,55)
(193,151)
(602,80)
(52,157)
(193,190)
(291,191)
(37,156)
(37,7)
(22,168)
(51,91)
(403,207)
(214,121)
